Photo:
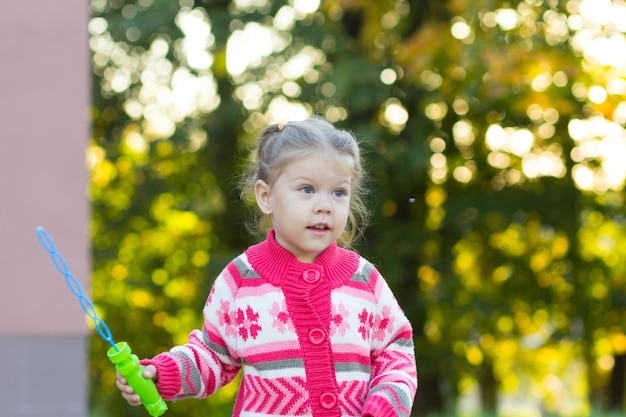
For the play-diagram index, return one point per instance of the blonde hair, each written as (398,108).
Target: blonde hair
(280,143)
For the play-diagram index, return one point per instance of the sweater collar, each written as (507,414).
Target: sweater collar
(273,262)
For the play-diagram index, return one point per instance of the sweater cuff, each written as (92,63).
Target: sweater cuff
(168,381)
(377,406)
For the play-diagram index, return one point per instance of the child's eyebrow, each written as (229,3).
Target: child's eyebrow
(312,179)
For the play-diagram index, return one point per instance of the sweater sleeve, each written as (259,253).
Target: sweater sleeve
(208,360)
(393,382)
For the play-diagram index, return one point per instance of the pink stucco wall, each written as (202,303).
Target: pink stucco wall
(44,131)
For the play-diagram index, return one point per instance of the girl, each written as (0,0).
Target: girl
(315,327)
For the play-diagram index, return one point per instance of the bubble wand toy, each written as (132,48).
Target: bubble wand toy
(126,363)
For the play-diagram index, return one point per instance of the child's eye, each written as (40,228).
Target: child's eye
(306,189)
(339,193)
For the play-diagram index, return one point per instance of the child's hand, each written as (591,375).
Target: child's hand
(133,399)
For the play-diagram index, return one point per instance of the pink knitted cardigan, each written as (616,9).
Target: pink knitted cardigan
(323,339)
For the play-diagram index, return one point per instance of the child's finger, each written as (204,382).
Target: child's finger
(149,371)
(123,387)
(133,399)
(121,378)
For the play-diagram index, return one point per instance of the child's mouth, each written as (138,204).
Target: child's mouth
(319,227)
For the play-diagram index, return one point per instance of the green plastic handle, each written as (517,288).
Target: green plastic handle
(128,366)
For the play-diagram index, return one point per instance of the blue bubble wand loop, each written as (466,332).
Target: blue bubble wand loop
(126,363)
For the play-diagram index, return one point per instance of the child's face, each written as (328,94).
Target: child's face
(308,203)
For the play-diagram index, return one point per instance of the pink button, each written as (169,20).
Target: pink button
(328,400)
(317,336)
(311,276)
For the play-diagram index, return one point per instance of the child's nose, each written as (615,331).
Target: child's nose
(323,205)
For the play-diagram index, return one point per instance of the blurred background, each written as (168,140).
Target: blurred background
(494,134)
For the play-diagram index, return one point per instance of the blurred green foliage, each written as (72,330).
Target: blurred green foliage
(491,131)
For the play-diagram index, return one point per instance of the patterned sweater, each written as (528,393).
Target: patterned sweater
(322,339)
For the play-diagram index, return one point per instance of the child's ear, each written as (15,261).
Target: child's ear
(262,194)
